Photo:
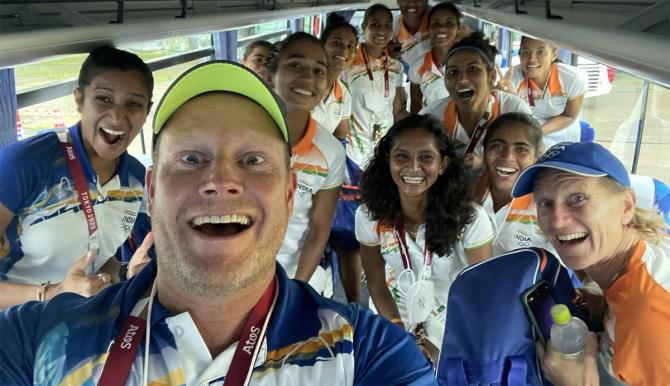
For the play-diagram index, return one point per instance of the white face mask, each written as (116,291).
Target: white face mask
(420,301)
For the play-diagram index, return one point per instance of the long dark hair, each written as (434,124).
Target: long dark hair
(105,58)
(530,124)
(333,23)
(450,206)
(447,7)
(371,10)
(277,48)
(478,43)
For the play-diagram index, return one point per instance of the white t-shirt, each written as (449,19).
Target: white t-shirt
(318,161)
(430,79)
(445,110)
(515,226)
(445,268)
(565,83)
(369,106)
(331,111)
(414,46)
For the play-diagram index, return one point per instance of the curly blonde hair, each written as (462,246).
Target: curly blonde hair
(648,223)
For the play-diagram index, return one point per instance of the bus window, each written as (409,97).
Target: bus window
(654,160)
(61,111)
(612,108)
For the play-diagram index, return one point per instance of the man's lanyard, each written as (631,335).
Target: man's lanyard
(124,347)
(251,339)
(481,126)
(122,353)
(369,70)
(77,173)
(436,62)
(399,233)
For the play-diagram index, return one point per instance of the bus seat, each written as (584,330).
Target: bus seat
(652,193)
(588,132)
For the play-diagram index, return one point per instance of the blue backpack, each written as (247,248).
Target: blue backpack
(488,338)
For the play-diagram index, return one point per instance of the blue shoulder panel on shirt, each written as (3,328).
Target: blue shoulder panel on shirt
(30,160)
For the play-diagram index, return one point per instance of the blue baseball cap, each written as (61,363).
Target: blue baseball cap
(587,159)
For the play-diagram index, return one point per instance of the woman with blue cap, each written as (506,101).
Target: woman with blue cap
(587,209)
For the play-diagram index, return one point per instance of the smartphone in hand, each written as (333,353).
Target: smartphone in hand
(537,301)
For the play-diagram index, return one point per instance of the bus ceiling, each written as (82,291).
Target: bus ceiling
(631,35)
(35,29)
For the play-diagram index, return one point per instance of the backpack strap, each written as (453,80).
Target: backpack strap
(518,369)
(491,372)
(455,371)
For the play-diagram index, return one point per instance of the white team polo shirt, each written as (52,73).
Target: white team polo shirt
(565,83)
(445,268)
(333,109)
(515,226)
(368,104)
(430,79)
(318,161)
(446,111)
(414,46)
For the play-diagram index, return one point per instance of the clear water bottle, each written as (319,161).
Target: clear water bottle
(568,334)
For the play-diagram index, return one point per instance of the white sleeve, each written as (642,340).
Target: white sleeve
(479,232)
(346,102)
(335,156)
(577,82)
(365,228)
(436,109)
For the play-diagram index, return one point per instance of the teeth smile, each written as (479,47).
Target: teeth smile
(441,36)
(302,92)
(505,171)
(112,132)
(226,219)
(342,58)
(413,180)
(572,236)
(466,93)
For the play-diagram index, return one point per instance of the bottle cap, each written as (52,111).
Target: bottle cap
(561,314)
